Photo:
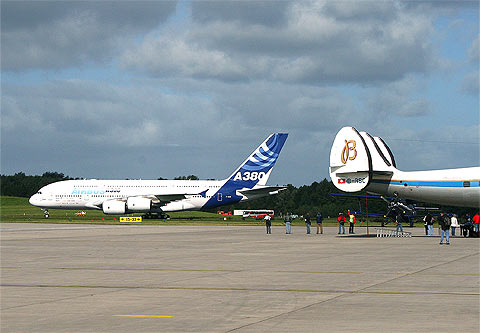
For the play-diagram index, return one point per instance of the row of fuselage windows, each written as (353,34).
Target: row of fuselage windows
(130,186)
(60,196)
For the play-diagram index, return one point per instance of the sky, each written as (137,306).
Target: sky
(149,89)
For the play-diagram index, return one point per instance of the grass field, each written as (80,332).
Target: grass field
(19,210)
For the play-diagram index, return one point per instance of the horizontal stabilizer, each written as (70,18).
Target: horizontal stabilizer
(382,173)
(261,191)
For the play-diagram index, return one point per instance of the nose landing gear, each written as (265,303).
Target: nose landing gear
(46,213)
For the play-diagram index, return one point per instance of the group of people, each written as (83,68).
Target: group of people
(341,223)
(446,223)
(288,218)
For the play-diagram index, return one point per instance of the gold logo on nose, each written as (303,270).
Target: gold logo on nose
(349,145)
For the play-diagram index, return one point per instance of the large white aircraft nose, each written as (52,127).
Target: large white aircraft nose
(32,200)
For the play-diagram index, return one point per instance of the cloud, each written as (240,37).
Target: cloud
(470,82)
(176,57)
(193,89)
(474,51)
(397,98)
(59,34)
(310,43)
(268,13)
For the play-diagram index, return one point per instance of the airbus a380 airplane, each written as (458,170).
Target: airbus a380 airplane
(158,196)
(359,161)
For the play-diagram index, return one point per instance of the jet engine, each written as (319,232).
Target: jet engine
(114,207)
(139,204)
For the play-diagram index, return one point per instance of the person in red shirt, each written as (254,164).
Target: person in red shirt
(341,223)
(475,220)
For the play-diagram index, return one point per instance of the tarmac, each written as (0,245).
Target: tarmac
(91,278)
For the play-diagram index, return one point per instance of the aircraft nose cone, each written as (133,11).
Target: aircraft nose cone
(32,200)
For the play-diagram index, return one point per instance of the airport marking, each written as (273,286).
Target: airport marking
(407,273)
(145,269)
(247,289)
(308,272)
(143,316)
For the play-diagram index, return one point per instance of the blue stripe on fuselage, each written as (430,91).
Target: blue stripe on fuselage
(473,183)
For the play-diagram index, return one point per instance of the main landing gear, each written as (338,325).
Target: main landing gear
(156,216)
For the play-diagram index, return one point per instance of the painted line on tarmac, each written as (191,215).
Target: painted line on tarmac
(143,316)
(247,289)
(68,227)
(425,274)
(233,271)
(145,269)
(308,272)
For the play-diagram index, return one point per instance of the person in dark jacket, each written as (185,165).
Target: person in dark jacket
(444,223)
(319,223)
(429,222)
(308,222)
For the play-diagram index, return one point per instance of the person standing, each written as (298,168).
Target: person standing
(454,224)
(352,223)
(341,223)
(288,223)
(476,221)
(429,221)
(444,223)
(398,222)
(319,223)
(426,225)
(468,226)
(308,222)
(268,223)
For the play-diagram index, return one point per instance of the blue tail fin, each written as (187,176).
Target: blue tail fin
(256,169)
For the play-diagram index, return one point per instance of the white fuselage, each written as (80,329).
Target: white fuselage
(456,187)
(247,182)
(90,194)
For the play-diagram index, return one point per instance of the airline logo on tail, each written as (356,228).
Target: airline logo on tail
(349,145)
(256,168)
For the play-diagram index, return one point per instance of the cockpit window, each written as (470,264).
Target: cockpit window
(39,192)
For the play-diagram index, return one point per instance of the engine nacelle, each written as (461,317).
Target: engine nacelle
(139,204)
(114,207)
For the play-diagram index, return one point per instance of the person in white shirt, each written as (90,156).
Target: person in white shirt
(454,224)
(268,223)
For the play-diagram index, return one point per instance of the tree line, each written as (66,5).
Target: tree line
(307,198)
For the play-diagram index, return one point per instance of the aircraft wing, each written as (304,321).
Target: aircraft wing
(165,198)
(156,199)
(261,191)
(169,197)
